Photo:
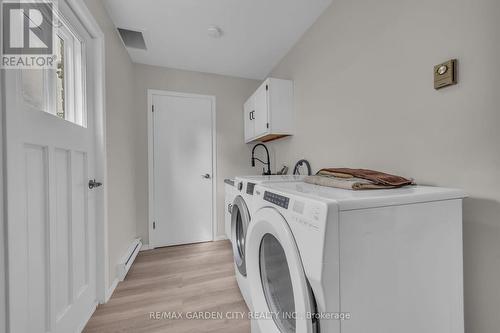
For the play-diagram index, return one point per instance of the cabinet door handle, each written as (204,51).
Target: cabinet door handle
(252,115)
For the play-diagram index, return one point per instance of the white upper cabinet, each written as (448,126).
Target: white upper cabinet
(248,111)
(268,114)
(261,115)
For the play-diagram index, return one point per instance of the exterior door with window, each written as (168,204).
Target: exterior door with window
(50,140)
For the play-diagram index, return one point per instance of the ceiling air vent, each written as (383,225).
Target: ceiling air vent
(133,39)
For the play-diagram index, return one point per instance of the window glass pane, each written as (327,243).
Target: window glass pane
(239,223)
(59,90)
(60,79)
(277,283)
(240,235)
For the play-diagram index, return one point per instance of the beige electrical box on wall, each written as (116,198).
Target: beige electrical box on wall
(445,74)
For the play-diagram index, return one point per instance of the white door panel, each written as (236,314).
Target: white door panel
(63,240)
(50,213)
(51,256)
(36,229)
(182,159)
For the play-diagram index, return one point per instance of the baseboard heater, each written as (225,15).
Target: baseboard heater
(127,260)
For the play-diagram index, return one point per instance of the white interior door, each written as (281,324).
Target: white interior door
(50,209)
(183,169)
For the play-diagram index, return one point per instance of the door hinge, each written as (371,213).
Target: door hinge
(267,125)
(152,108)
(154,225)
(267,87)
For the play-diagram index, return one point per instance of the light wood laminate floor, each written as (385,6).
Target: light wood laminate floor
(183,279)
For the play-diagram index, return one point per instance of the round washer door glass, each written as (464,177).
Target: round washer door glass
(240,235)
(277,283)
(240,218)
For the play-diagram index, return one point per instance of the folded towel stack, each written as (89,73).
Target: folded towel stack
(357,179)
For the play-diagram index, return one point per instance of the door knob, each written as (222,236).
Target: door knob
(93,184)
(206,176)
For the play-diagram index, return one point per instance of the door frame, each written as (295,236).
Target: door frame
(98,104)
(151,93)
(3,239)
(101,167)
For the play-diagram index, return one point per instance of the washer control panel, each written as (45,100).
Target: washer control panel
(250,188)
(277,199)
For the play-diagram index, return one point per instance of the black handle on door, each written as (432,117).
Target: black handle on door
(93,184)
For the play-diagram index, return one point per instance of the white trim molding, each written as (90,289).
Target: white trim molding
(151,216)
(128,259)
(123,267)
(89,22)
(3,236)
(146,247)
(86,319)
(220,238)
(111,290)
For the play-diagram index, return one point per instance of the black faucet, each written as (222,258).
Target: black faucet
(268,163)
(299,164)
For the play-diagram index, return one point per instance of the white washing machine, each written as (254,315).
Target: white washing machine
(330,260)
(230,192)
(241,215)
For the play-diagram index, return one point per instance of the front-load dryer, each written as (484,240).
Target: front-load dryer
(241,215)
(330,260)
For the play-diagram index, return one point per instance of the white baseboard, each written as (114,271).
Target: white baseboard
(146,247)
(87,318)
(128,259)
(111,290)
(123,266)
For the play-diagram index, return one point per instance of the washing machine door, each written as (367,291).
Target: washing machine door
(278,285)
(240,219)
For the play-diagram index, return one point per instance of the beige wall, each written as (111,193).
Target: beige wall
(364,98)
(126,117)
(233,156)
(121,154)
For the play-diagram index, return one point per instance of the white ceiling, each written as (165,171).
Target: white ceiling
(257,33)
